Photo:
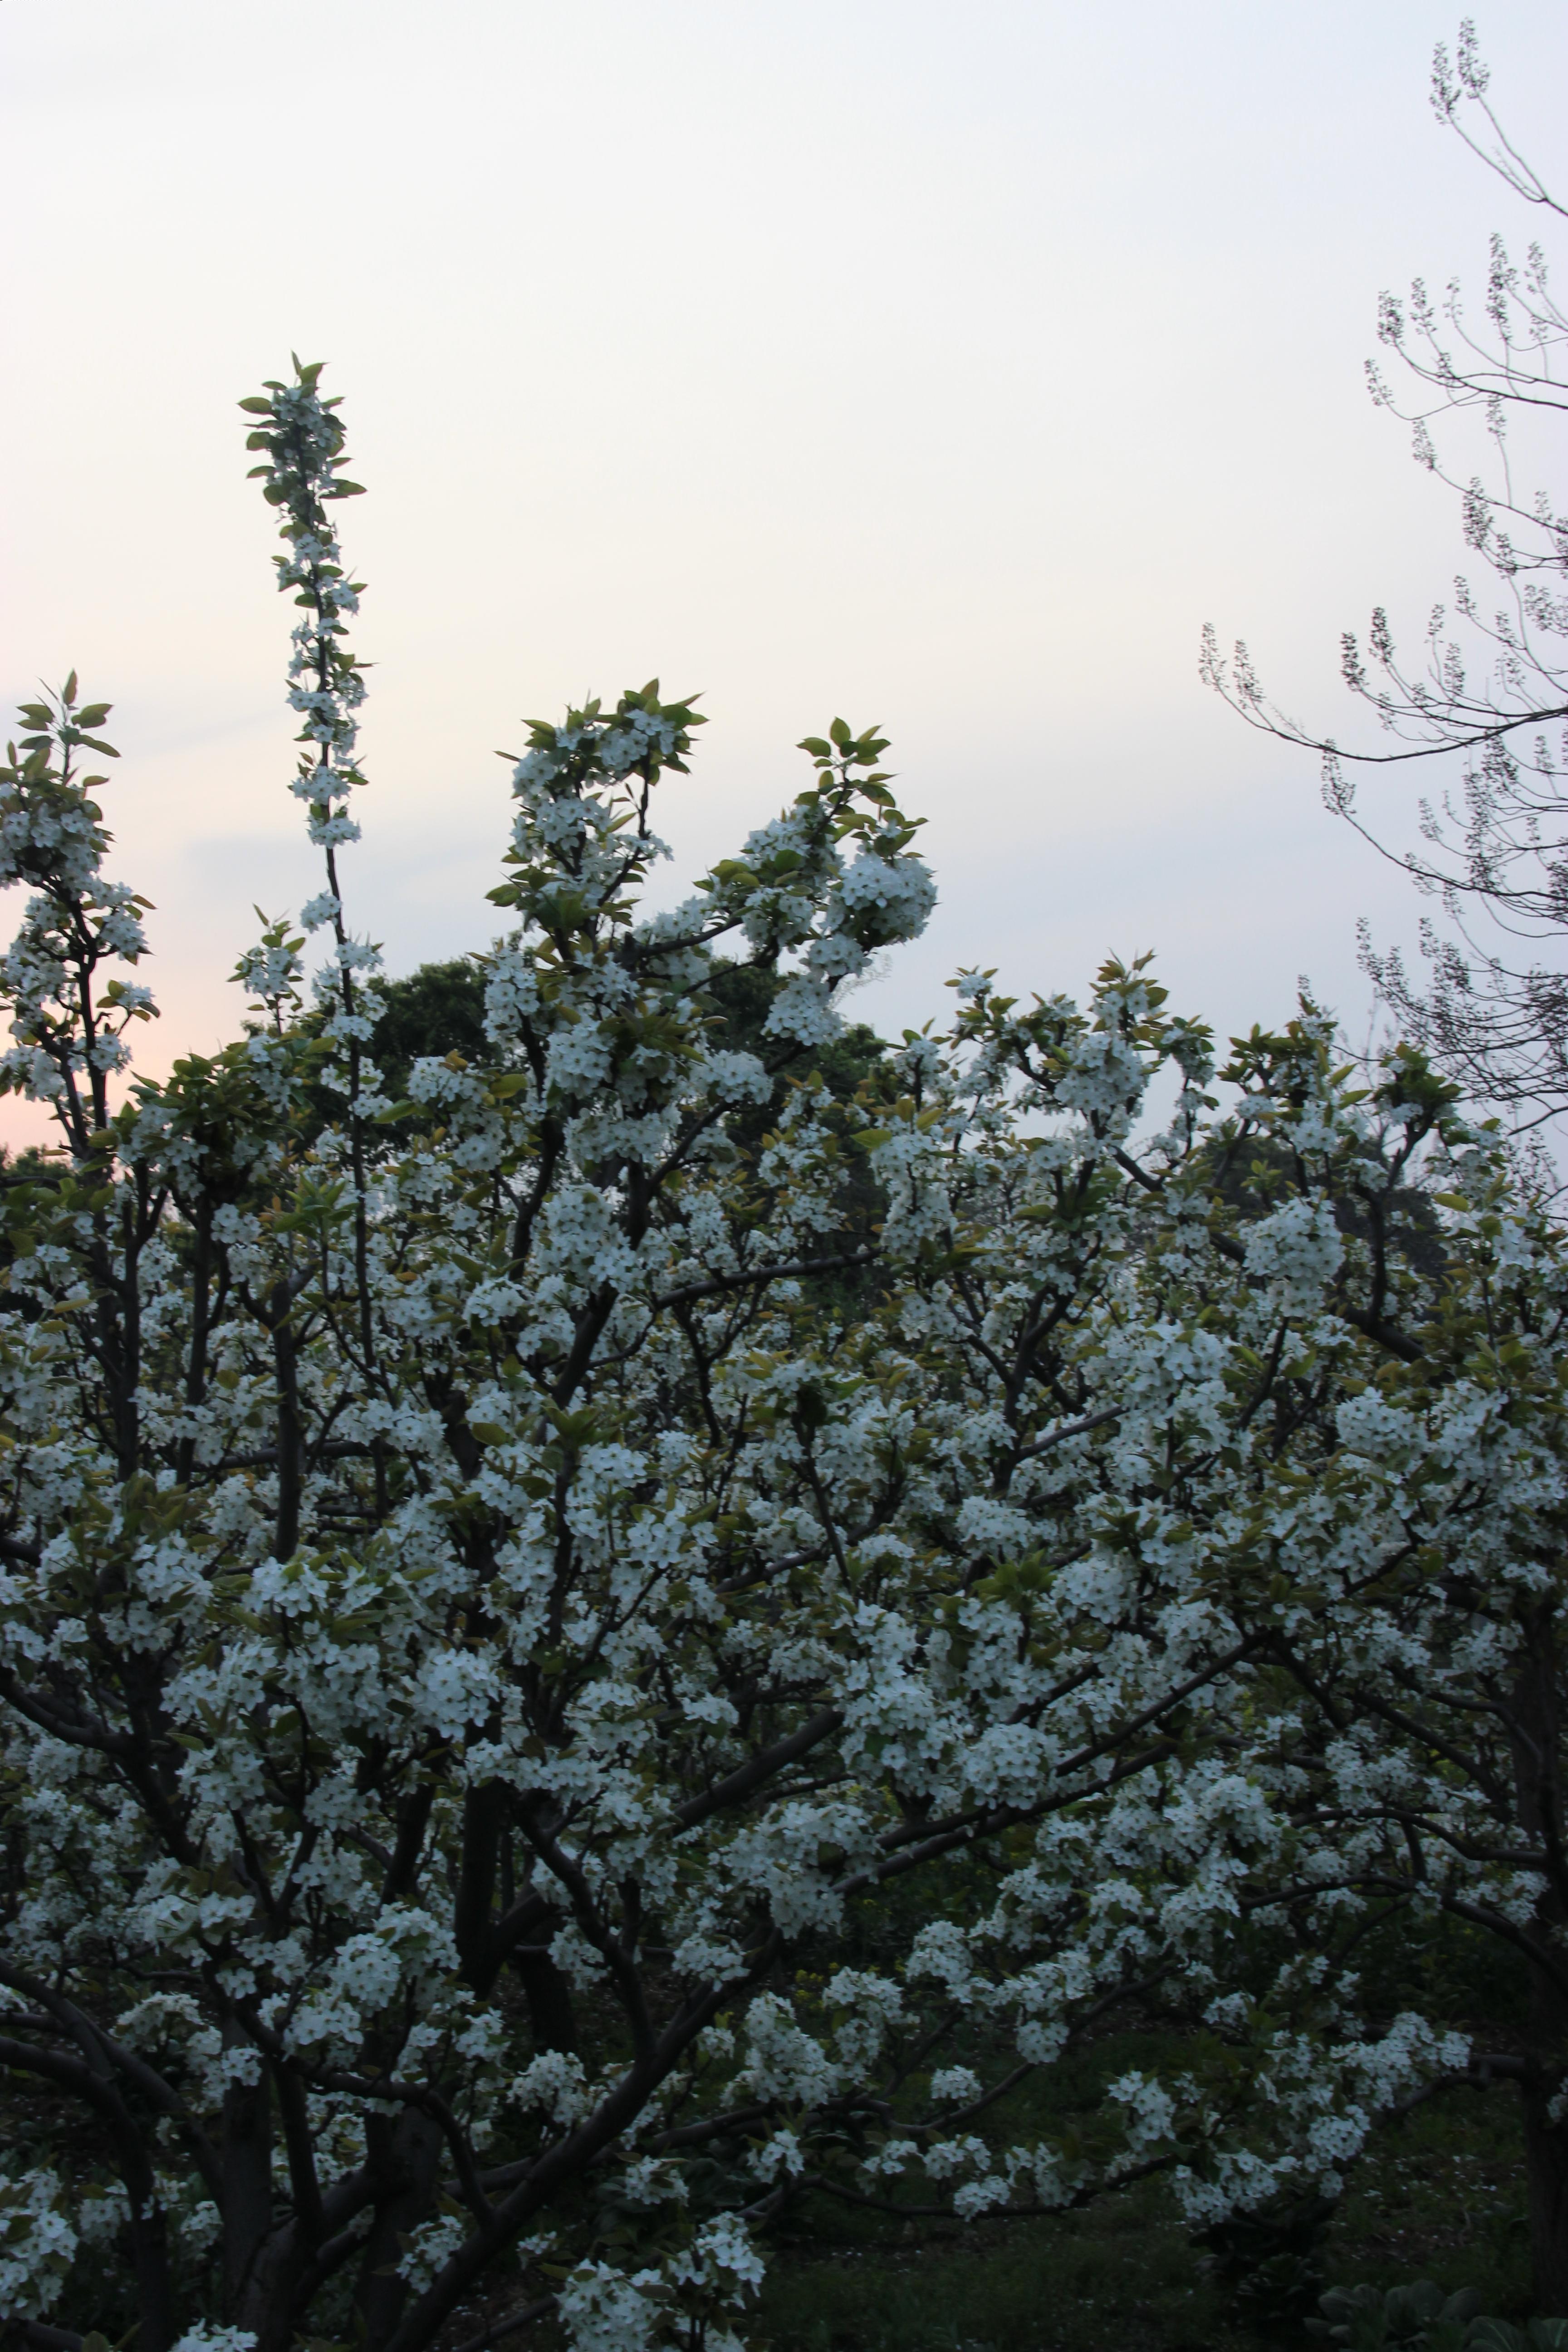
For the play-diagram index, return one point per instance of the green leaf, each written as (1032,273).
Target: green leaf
(1495,2336)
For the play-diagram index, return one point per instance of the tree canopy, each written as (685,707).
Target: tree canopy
(639,1629)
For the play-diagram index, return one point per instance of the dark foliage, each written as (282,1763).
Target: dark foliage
(439,1009)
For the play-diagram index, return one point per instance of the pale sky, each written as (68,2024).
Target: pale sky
(943,366)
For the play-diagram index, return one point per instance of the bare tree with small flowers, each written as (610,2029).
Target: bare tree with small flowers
(1488,697)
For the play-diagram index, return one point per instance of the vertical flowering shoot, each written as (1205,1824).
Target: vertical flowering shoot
(303,437)
(68,1022)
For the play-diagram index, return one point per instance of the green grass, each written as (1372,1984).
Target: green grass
(1438,2195)
(1119,2274)
(1441,2195)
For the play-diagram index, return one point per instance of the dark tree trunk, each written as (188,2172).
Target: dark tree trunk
(290,1443)
(550,2011)
(1546,2176)
(1538,1780)
(409,2151)
(484,1830)
(155,2285)
(246,2181)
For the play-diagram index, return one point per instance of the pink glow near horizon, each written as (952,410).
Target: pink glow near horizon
(944,368)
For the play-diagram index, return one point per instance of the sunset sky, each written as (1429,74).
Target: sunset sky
(944,366)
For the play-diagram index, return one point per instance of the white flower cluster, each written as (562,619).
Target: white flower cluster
(37,2243)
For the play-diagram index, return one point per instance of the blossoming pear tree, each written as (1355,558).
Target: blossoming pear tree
(1405,1564)
(562,1693)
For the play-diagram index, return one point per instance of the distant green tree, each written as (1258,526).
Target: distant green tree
(438,1009)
